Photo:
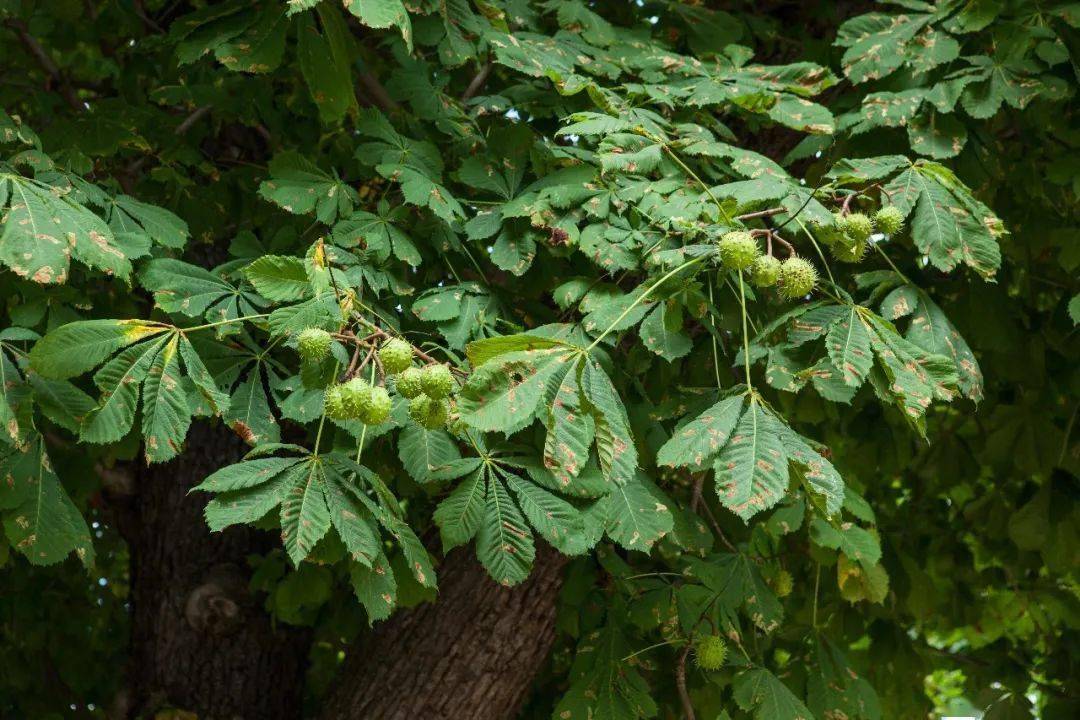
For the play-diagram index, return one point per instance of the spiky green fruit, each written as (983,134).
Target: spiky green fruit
(783,584)
(376,407)
(848,249)
(334,402)
(437,381)
(313,344)
(356,395)
(797,278)
(858,226)
(738,250)
(410,383)
(710,652)
(889,220)
(396,355)
(765,271)
(429,412)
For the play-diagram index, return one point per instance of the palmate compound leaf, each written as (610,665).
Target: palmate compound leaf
(834,689)
(759,691)
(603,684)
(154,365)
(553,380)
(315,492)
(298,186)
(497,504)
(751,473)
(740,586)
(848,344)
(39,517)
(948,224)
(192,291)
(43,228)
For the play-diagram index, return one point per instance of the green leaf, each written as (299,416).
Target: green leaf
(661,331)
(43,227)
(752,469)
(422,451)
(181,287)
(324,56)
(375,587)
(614,441)
(555,519)
(298,186)
(305,517)
(166,415)
(460,514)
(279,278)
(760,691)
(119,381)
(74,348)
(848,343)
(698,442)
(504,394)
(40,519)
(383,14)
(636,514)
(249,413)
(504,543)
(353,523)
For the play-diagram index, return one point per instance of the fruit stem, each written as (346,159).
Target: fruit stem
(745,333)
(641,299)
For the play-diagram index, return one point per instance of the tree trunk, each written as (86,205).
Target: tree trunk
(199,641)
(471,654)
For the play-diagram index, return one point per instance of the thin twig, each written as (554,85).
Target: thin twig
(378,93)
(193,118)
(477,82)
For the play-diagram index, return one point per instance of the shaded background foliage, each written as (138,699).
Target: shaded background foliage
(193,109)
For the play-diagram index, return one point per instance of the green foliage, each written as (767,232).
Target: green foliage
(607,232)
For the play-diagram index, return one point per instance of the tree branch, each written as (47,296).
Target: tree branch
(47,64)
(477,82)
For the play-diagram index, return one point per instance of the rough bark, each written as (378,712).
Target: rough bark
(199,641)
(472,654)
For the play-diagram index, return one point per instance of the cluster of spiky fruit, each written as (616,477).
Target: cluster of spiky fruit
(710,652)
(427,390)
(794,277)
(853,231)
(357,399)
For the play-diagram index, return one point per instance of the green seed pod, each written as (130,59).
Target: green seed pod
(848,249)
(889,220)
(356,396)
(710,652)
(783,584)
(858,226)
(410,383)
(428,412)
(334,402)
(396,355)
(313,344)
(738,250)
(376,407)
(797,278)
(437,381)
(765,271)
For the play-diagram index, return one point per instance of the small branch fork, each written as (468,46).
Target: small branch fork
(371,343)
